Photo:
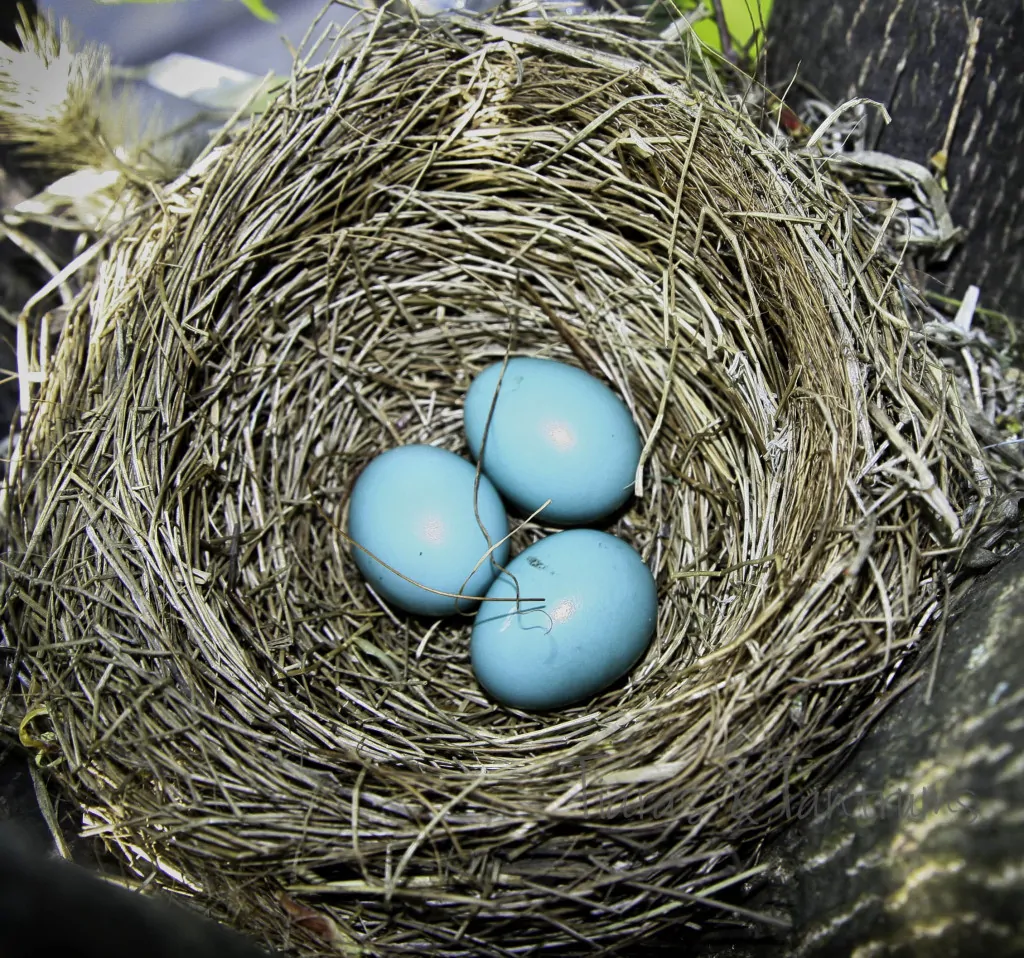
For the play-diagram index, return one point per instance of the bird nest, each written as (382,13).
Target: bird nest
(202,665)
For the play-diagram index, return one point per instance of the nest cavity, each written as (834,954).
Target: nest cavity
(204,668)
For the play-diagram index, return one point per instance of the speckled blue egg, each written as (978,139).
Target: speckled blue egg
(595,617)
(412,507)
(556,433)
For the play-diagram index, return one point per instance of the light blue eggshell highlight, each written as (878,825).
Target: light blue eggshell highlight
(413,508)
(557,433)
(597,617)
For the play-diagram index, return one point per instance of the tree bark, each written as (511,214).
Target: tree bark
(911,55)
(917,847)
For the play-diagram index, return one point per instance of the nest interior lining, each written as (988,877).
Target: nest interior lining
(226,695)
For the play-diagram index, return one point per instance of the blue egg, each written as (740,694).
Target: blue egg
(556,433)
(412,507)
(595,618)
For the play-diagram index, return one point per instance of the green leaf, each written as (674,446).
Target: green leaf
(256,7)
(259,9)
(744,20)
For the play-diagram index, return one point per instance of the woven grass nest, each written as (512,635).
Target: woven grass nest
(204,668)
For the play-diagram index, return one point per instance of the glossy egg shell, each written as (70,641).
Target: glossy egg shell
(413,508)
(556,433)
(597,617)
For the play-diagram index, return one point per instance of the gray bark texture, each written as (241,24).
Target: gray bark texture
(911,56)
(917,848)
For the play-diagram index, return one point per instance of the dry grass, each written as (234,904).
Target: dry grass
(224,696)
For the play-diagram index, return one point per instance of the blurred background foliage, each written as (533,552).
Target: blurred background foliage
(745,21)
(256,7)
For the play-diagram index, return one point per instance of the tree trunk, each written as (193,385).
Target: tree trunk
(911,55)
(916,849)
